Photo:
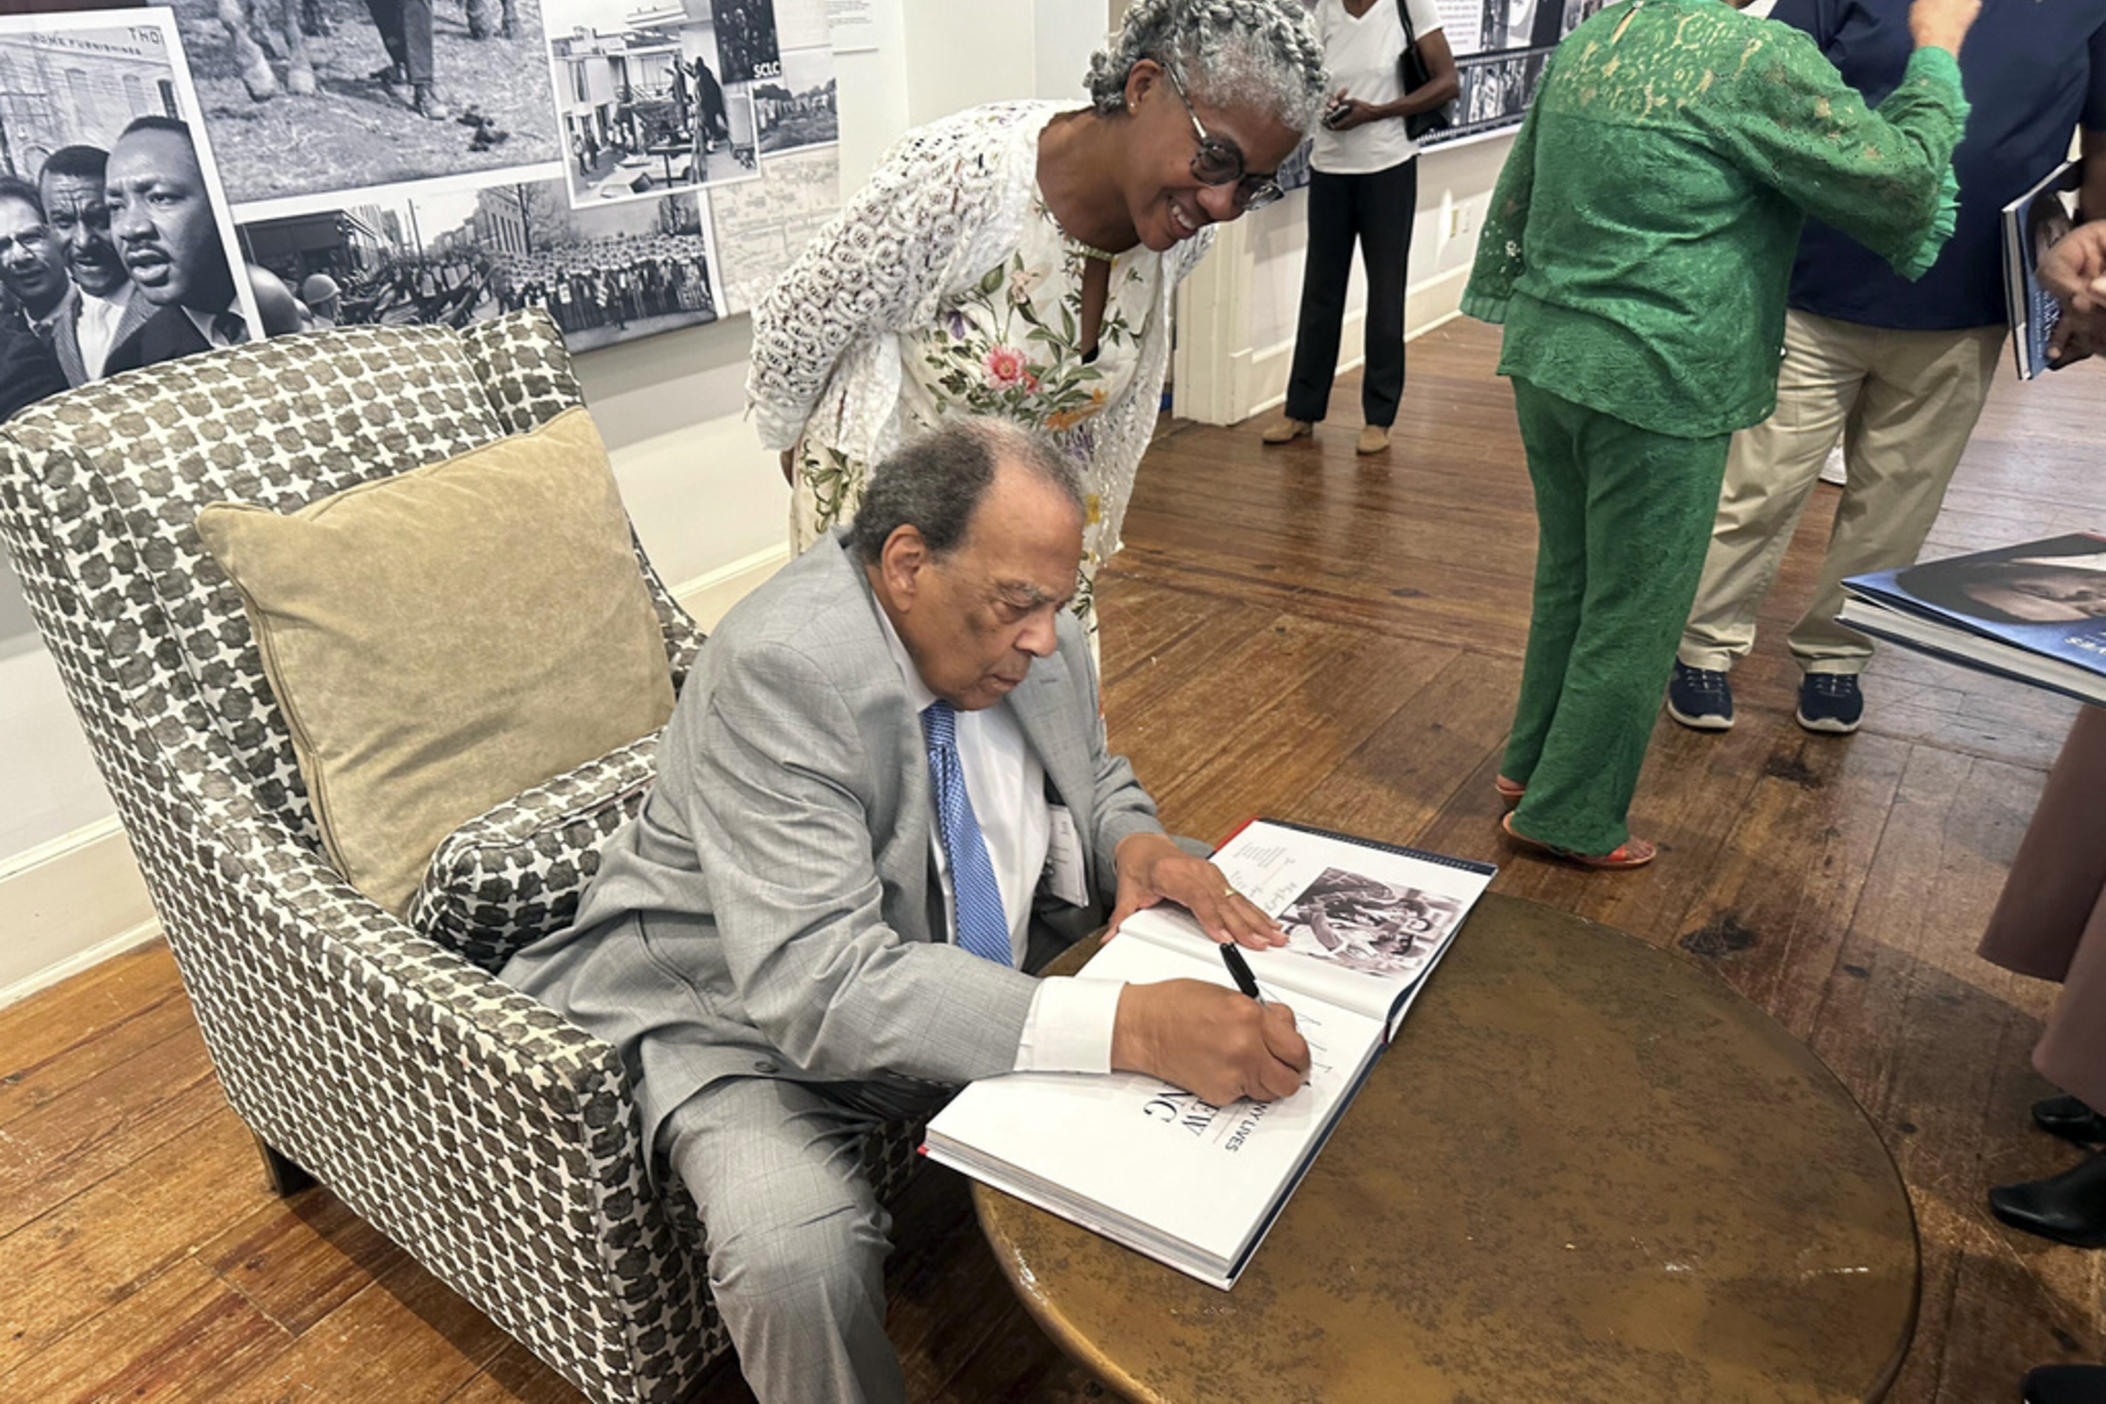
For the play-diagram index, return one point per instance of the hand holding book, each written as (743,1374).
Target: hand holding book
(2074,270)
(1152,868)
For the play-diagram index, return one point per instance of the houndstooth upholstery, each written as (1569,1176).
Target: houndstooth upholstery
(512,875)
(483,1132)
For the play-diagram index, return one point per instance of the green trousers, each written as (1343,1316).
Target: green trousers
(1623,519)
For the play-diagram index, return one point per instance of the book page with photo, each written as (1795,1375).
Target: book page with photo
(1364,922)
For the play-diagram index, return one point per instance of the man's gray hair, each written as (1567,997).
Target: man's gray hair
(935,482)
(1227,53)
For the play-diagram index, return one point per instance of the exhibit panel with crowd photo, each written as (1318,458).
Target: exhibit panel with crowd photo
(449,257)
(117,248)
(396,192)
(325,95)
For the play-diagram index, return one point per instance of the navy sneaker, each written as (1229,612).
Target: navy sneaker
(1830,703)
(1700,698)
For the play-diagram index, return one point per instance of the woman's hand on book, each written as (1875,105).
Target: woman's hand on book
(1210,1041)
(1153,868)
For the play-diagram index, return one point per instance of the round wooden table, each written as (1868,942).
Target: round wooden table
(1587,1170)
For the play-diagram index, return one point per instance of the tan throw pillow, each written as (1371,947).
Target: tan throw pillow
(446,638)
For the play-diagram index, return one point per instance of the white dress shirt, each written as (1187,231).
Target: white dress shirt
(1069,1028)
(96,328)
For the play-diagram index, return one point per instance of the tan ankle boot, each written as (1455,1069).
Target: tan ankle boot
(1373,439)
(1286,431)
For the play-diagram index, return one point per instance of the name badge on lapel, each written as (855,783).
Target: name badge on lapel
(1065,878)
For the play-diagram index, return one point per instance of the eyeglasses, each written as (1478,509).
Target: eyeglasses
(1220,162)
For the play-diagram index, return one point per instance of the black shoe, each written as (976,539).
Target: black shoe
(1830,703)
(1700,698)
(2069,1118)
(2066,1384)
(2069,1207)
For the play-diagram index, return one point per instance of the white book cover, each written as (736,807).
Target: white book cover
(1188,1183)
(1156,1168)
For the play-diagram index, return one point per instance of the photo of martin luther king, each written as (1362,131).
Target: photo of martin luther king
(115,250)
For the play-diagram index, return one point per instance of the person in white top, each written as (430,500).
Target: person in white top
(1363,185)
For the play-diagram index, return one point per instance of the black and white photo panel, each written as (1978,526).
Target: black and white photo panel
(117,248)
(648,100)
(796,110)
(452,255)
(322,95)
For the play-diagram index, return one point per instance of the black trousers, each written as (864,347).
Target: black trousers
(1376,210)
(405,32)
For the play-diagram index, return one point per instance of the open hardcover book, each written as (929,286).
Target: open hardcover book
(2035,613)
(1193,1185)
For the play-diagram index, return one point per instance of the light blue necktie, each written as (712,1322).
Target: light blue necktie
(983,929)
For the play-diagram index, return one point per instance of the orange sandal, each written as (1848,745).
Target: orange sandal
(1509,790)
(1635,853)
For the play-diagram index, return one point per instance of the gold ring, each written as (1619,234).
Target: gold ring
(1227,893)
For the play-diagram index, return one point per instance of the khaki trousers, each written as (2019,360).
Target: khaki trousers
(1904,404)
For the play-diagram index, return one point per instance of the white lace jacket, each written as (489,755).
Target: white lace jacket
(946,204)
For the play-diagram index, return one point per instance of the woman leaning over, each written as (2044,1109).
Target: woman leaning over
(1637,249)
(1019,260)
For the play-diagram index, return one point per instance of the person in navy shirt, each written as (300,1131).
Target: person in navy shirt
(1898,371)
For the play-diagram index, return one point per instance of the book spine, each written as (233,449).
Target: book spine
(1467,865)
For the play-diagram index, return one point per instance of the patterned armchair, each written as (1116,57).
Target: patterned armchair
(489,1137)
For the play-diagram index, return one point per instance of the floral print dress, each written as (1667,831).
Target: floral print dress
(1011,346)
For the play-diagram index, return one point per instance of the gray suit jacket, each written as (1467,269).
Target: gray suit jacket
(774,911)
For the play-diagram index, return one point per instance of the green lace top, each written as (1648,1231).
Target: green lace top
(1641,236)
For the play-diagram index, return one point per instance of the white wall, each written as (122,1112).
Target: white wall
(708,502)
(1455,188)
(1237,312)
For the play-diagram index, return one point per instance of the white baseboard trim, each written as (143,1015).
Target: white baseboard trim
(708,597)
(60,903)
(1262,375)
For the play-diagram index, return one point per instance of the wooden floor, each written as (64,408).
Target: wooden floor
(1289,631)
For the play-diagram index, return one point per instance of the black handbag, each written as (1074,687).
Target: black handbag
(1413,74)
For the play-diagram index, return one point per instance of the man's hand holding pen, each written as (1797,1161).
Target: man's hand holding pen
(1216,1042)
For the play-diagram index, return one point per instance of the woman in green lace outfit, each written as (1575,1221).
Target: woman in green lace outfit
(1637,249)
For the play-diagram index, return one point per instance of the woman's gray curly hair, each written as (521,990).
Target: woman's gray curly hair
(1227,53)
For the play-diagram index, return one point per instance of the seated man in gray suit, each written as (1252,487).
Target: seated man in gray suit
(883,791)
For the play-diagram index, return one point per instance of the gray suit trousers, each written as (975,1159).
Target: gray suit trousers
(797,1239)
